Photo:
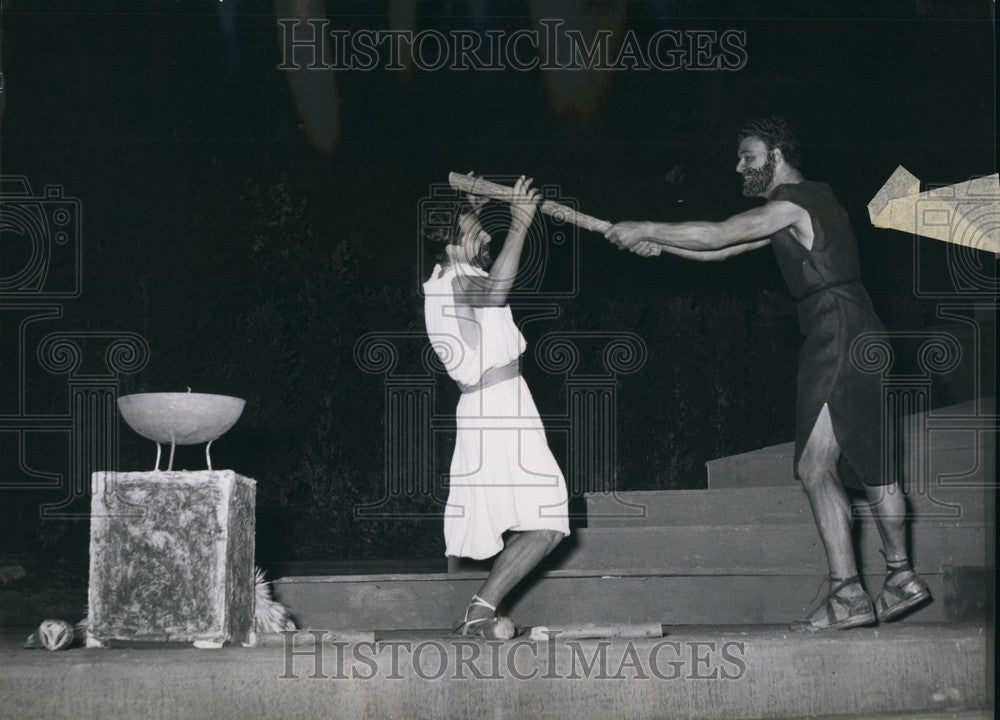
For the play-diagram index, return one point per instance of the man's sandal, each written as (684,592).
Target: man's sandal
(895,599)
(858,608)
(489,627)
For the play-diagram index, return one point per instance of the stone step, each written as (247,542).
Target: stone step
(389,602)
(952,443)
(749,549)
(764,467)
(938,505)
(966,453)
(740,673)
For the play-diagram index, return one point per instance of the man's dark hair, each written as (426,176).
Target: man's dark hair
(775,132)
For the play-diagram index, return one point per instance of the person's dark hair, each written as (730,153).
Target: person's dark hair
(775,132)
(436,239)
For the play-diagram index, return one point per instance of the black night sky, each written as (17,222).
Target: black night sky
(157,115)
(163,102)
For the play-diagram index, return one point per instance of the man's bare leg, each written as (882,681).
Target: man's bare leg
(889,509)
(902,589)
(832,510)
(519,557)
(830,506)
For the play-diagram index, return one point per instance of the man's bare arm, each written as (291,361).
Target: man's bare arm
(746,227)
(707,255)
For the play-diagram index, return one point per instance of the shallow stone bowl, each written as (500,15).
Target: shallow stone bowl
(180,418)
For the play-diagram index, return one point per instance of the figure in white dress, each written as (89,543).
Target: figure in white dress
(504,480)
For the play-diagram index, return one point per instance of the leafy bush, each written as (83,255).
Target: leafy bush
(272,314)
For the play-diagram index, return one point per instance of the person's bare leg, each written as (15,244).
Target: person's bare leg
(830,506)
(832,510)
(902,589)
(519,557)
(889,509)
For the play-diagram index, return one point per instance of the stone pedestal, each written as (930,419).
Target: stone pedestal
(172,556)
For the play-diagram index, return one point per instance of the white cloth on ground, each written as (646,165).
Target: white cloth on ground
(503,475)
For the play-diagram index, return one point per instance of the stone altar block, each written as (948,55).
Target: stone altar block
(172,556)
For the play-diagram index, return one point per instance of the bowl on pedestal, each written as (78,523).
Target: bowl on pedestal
(180,418)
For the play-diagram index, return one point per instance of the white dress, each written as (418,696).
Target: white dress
(503,475)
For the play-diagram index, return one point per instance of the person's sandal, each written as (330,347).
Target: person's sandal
(489,627)
(859,609)
(894,600)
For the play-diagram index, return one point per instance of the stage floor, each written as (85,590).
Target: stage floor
(692,672)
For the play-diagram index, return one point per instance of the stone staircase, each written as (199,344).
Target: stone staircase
(743,551)
(732,563)
(733,567)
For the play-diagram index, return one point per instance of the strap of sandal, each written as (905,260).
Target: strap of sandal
(895,567)
(841,584)
(476,600)
(901,590)
(834,589)
(831,613)
(466,623)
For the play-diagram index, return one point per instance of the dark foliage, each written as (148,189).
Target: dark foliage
(280,298)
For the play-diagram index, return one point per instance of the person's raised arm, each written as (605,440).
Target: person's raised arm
(492,291)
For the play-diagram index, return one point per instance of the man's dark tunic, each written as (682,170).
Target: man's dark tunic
(833,310)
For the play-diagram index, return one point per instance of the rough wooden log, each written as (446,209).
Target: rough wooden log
(484,188)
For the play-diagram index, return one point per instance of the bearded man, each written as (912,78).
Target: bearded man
(838,409)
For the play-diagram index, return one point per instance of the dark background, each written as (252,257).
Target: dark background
(252,260)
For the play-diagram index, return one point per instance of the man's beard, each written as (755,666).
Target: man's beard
(755,181)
